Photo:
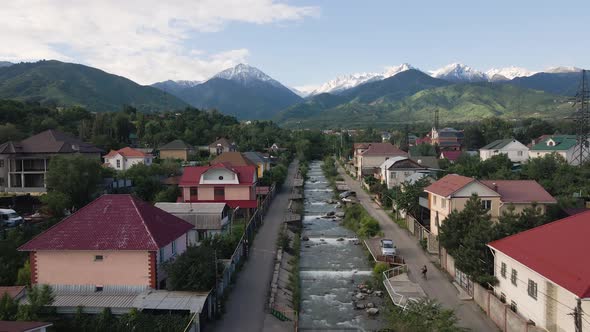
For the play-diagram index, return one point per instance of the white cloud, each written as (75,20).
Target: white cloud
(145,40)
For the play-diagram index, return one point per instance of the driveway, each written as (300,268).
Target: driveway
(245,306)
(437,285)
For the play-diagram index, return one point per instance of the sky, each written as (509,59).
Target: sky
(300,43)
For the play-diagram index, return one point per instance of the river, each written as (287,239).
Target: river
(330,270)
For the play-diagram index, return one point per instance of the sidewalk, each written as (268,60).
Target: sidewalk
(437,285)
(245,306)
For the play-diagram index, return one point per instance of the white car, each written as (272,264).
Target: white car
(10,218)
(388,248)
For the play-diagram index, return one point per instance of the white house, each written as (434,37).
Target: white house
(563,145)
(369,156)
(397,170)
(516,151)
(124,158)
(544,274)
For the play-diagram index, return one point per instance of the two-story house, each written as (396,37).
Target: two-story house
(220,183)
(447,139)
(125,158)
(23,164)
(222,145)
(115,241)
(564,145)
(453,191)
(176,149)
(395,171)
(543,273)
(369,156)
(513,149)
(233,158)
(208,219)
(261,161)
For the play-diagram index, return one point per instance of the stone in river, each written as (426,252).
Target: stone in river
(372,311)
(360,296)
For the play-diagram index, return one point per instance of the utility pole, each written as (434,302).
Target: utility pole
(577,315)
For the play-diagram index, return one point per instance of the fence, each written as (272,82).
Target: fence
(398,299)
(241,251)
(421,233)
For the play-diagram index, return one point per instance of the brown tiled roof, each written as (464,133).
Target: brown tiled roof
(383,149)
(449,184)
(520,191)
(233,158)
(12,291)
(19,326)
(222,141)
(49,141)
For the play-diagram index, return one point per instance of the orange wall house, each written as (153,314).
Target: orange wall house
(117,240)
(223,182)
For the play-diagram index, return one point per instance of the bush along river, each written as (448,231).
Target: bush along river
(333,266)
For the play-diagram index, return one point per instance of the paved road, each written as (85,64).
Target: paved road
(246,303)
(438,285)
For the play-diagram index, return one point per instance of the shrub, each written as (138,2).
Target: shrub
(378,270)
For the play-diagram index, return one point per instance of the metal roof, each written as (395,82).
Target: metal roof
(196,208)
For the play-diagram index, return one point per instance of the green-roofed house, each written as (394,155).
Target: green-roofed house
(516,151)
(563,145)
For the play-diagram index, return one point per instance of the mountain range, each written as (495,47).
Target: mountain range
(400,93)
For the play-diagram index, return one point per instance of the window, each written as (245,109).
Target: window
(98,288)
(219,192)
(1,181)
(519,153)
(443,203)
(173,248)
(194,193)
(1,163)
(161,255)
(532,289)
(486,204)
(502,297)
(514,277)
(513,306)
(118,163)
(503,270)
(433,200)
(220,177)
(98,258)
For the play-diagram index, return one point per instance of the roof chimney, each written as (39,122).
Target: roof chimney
(495,186)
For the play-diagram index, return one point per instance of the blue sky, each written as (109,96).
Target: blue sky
(297,42)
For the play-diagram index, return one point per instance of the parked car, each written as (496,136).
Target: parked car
(10,218)
(347,194)
(388,248)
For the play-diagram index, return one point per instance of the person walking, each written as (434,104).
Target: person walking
(424,270)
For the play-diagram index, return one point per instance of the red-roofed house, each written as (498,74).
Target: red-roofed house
(19,326)
(115,241)
(223,182)
(369,156)
(451,155)
(124,158)
(544,272)
(453,191)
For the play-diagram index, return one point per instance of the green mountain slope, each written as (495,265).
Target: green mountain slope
(66,84)
(457,102)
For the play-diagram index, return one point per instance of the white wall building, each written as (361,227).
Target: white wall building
(125,158)
(395,171)
(544,274)
(564,145)
(516,151)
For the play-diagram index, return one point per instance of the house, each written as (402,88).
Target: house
(125,158)
(176,149)
(23,164)
(221,145)
(563,145)
(513,149)
(453,191)
(543,273)
(21,326)
(447,139)
(451,155)
(397,170)
(233,158)
(368,156)
(115,242)
(261,161)
(220,183)
(208,219)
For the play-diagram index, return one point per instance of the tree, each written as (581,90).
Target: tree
(425,316)
(194,270)
(39,297)
(76,178)
(408,197)
(169,194)
(464,234)
(9,132)
(24,275)
(8,307)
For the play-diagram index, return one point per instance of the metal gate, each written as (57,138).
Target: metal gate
(463,280)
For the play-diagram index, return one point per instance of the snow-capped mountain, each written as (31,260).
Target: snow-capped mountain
(346,82)
(508,73)
(458,72)
(246,75)
(562,69)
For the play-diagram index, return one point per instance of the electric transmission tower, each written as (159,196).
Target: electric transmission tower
(581,119)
